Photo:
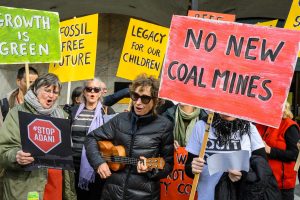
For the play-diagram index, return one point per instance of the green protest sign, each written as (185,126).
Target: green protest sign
(29,36)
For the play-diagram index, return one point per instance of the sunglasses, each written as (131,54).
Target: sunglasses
(90,89)
(145,99)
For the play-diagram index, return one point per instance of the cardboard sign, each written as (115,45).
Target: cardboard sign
(272,23)
(293,19)
(79,47)
(236,69)
(28,36)
(177,185)
(47,139)
(143,51)
(211,15)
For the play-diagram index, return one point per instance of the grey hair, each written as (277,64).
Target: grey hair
(85,83)
(46,80)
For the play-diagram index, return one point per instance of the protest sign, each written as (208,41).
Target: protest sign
(177,185)
(47,139)
(143,51)
(293,19)
(237,69)
(28,36)
(211,15)
(272,23)
(78,46)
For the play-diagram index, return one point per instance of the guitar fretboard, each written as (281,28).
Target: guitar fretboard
(121,159)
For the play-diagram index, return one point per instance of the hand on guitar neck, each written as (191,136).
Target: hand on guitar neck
(116,160)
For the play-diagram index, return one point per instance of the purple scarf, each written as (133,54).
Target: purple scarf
(87,173)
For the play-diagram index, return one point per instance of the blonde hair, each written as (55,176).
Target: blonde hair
(287,113)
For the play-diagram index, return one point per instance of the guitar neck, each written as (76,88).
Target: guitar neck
(121,159)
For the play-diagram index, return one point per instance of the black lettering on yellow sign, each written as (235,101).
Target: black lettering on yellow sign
(297,21)
(147,34)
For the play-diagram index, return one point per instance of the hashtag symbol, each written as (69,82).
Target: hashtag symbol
(35,128)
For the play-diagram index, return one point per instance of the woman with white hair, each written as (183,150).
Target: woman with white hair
(86,117)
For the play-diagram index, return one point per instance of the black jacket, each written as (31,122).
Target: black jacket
(258,184)
(147,136)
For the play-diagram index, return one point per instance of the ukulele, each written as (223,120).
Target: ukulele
(116,159)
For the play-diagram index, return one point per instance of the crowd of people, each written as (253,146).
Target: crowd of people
(151,128)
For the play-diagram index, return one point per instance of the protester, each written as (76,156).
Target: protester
(85,118)
(143,134)
(107,109)
(49,183)
(227,134)
(16,96)
(184,118)
(282,151)
(103,88)
(76,98)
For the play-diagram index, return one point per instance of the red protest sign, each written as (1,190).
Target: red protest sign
(211,15)
(44,134)
(236,69)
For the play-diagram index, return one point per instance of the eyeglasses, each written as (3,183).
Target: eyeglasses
(49,91)
(144,98)
(90,89)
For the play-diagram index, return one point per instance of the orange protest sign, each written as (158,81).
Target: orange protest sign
(241,70)
(177,185)
(211,15)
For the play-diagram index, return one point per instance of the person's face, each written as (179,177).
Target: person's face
(140,107)
(47,96)
(92,92)
(22,82)
(226,117)
(103,89)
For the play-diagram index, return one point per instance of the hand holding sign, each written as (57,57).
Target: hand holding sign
(23,158)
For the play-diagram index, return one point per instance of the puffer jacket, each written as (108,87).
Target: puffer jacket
(17,182)
(148,136)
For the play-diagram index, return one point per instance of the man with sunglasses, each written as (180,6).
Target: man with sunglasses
(144,134)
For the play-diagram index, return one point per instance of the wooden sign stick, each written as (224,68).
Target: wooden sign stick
(296,168)
(201,155)
(68,92)
(27,75)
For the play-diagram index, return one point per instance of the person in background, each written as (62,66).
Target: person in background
(16,96)
(226,131)
(51,184)
(85,118)
(143,133)
(107,109)
(103,88)
(184,118)
(282,151)
(76,98)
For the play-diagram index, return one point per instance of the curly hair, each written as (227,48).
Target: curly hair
(143,80)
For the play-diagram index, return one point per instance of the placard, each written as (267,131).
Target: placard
(28,36)
(237,69)
(47,139)
(79,48)
(143,51)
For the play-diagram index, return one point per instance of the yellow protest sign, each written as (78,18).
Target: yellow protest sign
(143,51)
(293,19)
(78,46)
(272,23)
